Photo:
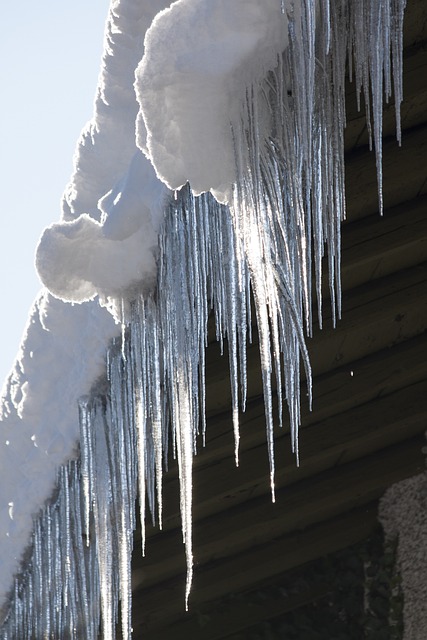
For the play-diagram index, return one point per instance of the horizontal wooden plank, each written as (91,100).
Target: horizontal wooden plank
(247,544)
(376,316)
(289,551)
(377,246)
(238,612)
(413,108)
(366,430)
(312,543)
(256,522)
(415,23)
(224,618)
(361,176)
(329,443)
(337,392)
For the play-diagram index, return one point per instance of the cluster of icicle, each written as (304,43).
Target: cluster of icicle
(288,203)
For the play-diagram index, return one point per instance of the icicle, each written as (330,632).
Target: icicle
(51,600)
(86,464)
(286,213)
(376,36)
(398,9)
(137,343)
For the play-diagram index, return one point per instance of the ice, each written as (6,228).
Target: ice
(270,145)
(376,42)
(243,100)
(62,354)
(47,602)
(64,346)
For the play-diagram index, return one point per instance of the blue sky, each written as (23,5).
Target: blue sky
(50,55)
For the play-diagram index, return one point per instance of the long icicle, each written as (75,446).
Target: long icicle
(288,206)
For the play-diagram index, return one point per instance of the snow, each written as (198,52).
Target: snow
(106,242)
(242,99)
(107,143)
(200,57)
(115,258)
(61,357)
(105,220)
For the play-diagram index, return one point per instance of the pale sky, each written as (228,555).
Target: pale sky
(50,55)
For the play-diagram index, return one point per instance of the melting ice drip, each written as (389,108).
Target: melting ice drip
(286,204)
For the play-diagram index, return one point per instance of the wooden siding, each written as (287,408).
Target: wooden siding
(370,409)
